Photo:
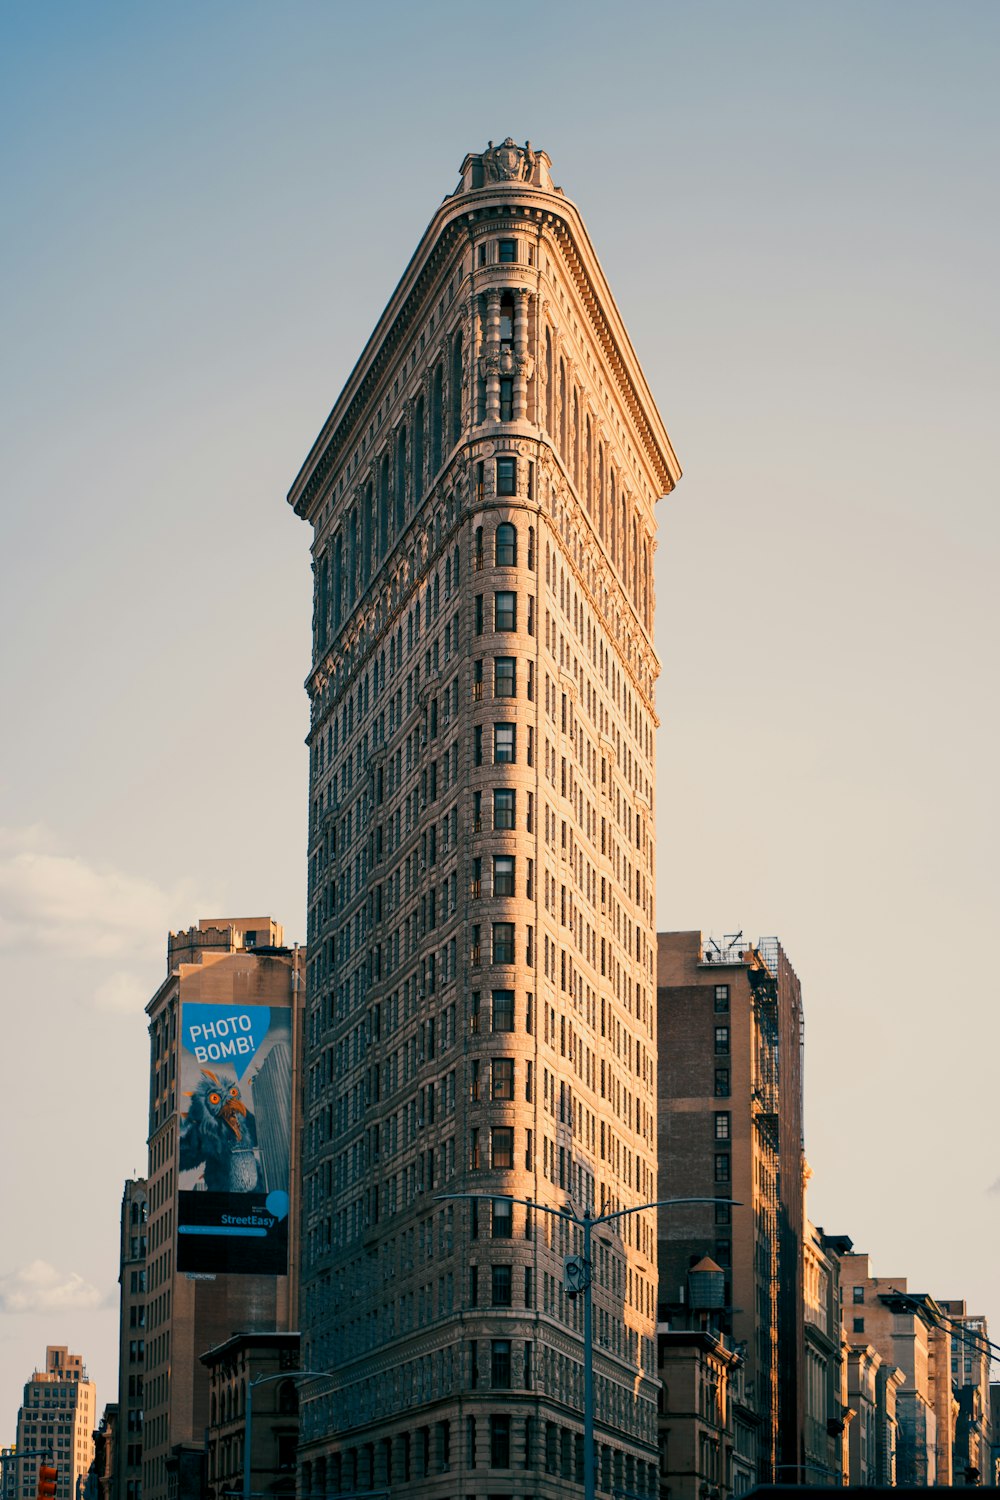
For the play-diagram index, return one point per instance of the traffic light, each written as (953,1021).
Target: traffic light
(47,1476)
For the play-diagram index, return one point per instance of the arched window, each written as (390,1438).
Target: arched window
(383,505)
(563,412)
(576,441)
(506,546)
(588,478)
(418,453)
(367,527)
(601,517)
(353,560)
(456,388)
(623,542)
(645,583)
(550,387)
(338,581)
(321,624)
(288,1400)
(400,480)
(613,512)
(437,418)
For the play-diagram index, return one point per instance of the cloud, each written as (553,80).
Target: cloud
(123,993)
(51,899)
(40,1288)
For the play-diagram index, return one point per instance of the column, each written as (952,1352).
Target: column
(521,362)
(491,359)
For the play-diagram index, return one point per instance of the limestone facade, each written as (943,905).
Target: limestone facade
(827,1412)
(912,1341)
(482,988)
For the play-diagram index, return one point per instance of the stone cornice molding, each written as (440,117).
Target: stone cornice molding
(443,236)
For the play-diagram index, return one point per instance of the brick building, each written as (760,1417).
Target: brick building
(730,1126)
(223,962)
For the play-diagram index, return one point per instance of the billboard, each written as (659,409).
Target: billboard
(235,1139)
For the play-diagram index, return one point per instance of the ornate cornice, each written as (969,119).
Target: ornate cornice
(516,197)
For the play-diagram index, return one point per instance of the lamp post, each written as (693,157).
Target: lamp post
(583,1275)
(295,1375)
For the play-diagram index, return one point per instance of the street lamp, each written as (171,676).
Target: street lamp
(295,1375)
(584,1283)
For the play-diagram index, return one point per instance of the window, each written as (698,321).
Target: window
(506,545)
(506,399)
(503,1286)
(503,944)
(503,1219)
(722,1126)
(502,1147)
(503,874)
(723,1213)
(504,748)
(859,1325)
(503,807)
(479,614)
(474,1156)
(722,1167)
(505,611)
(477,745)
(503,1000)
(508,252)
(857,1294)
(503,1078)
(477,799)
(500,1364)
(476,885)
(504,678)
(499,1442)
(477,680)
(722,1038)
(722,997)
(506,476)
(722,1083)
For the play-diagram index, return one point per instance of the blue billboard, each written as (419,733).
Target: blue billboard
(235,1139)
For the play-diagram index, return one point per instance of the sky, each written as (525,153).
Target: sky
(206,209)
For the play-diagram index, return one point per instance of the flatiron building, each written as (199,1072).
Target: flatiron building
(482,986)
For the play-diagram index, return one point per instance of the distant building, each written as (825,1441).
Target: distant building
(825,1451)
(696,1427)
(232,1366)
(730,1127)
(994,1478)
(100,1484)
(127,1475)
(909,1335)
(230,967)
(970,1378)
(8,1473)
(58,1416)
